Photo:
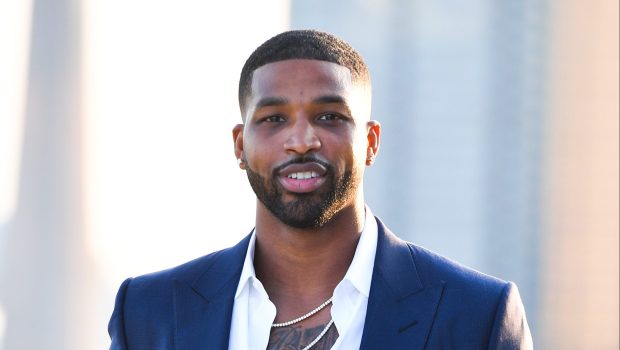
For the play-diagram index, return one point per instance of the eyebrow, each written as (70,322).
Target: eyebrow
(329,99)
(325,99)
(271,101)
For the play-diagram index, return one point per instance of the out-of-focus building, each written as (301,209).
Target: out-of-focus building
(499,149)
(579,256)
(48,281)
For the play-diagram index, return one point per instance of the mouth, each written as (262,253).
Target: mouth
(302,177)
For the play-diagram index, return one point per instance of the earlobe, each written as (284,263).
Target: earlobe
(237,134)
(373,136)
(370,160)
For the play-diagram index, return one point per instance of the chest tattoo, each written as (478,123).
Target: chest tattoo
(296,338)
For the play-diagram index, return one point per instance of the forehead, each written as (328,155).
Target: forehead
(301,76)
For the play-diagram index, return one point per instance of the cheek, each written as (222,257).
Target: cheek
(260,160)
(360,147)
(349,155)
(253,159)
(251,155)
(250,152)
(260,145)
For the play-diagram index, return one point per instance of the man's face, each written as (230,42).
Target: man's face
(306,140)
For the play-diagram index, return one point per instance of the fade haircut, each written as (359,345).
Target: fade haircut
(302,44)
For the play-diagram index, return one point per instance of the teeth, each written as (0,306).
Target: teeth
(303,175)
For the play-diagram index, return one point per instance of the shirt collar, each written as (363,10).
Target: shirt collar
(359,273)
(247,273)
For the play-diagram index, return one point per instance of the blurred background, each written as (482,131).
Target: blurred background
(499,147)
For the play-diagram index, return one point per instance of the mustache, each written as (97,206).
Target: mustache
(303,159)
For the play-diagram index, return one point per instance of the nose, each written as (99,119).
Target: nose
(302,138)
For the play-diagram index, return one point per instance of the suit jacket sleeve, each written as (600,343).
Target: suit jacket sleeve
(510,329)
(116,327)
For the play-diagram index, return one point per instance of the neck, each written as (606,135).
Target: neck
(303,266)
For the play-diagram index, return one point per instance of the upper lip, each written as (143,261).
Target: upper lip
(302,168)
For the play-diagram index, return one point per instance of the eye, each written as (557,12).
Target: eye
(330,117)
(274,119)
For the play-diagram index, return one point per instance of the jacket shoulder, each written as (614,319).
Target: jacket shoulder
(477,310)
(187,272)
(144,310)
(463,308)
(434,267)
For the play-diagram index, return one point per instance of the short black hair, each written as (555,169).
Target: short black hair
(302,44)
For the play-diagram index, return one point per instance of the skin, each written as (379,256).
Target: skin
(295,108)
(297,338)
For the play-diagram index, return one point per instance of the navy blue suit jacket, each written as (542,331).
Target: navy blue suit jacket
(418,300)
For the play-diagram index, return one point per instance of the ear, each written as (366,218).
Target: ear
(373,135)
(237,134)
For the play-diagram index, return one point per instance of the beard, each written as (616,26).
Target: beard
(307,210)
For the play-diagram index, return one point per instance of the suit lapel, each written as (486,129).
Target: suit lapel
(203,308)
(400,312)
(401,309)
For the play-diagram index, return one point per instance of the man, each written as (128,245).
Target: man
(319,270)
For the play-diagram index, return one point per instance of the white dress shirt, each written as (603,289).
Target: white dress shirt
(253,312)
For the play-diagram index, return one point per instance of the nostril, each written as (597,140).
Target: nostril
(302,144)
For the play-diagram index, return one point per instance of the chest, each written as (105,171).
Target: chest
(323,337)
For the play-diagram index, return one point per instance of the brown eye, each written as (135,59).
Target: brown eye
(330,117)
(274,119)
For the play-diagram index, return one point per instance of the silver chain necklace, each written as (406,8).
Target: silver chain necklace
(303,317)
